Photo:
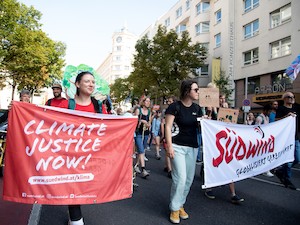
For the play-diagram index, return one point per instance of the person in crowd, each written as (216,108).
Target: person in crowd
(210,113)
(119,111)
(156,130)
(250,120)
(107,106)
(263,118)
(168,165)
(235,199)
(142,133)
(58,100)
(24,97)
(272,115)
(222,101)
(289,108)
(85,85)
(151,136)
(182,146)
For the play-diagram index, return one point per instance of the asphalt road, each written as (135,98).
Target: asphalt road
(267,202)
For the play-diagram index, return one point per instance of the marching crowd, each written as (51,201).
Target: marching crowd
(177,131)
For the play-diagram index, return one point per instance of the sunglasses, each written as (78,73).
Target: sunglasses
(291,97)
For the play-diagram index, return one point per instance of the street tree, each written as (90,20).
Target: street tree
(28,57)
(163,62)
(223,83)
(120,89)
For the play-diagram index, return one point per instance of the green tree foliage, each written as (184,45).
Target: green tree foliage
(223,84)
(161,63)
(28,57)
(121,89)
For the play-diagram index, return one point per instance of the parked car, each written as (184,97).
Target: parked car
(3,129)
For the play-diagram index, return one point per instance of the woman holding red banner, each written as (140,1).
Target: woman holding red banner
(85,85)
(182,146)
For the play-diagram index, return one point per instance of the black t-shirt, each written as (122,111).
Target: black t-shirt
(141,129)
(283,111)
(185,125)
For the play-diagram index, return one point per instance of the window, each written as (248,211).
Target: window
(250,4)
(205,45)
(202,28)
(167,22)
(180,28)
(188,4)
(280,16)
(202,71)
(281,48)
(218,40)
(218,16)
(117,67)
(281,80)
(178,12)
(202,7)
(119,48)
(253,84)
(117,58)
(251,29)
(251,57)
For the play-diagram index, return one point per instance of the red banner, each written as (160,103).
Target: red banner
(62,157)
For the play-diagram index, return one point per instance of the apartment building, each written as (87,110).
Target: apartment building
(118,64)
(252,41)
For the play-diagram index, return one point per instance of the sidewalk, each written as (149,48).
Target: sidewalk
(13,213)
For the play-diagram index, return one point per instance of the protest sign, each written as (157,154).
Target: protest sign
(228,115)
(209,97)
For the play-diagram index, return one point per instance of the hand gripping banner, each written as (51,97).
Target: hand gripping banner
(61,157)
(234,152)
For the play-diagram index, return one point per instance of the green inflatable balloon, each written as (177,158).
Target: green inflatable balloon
(69,77)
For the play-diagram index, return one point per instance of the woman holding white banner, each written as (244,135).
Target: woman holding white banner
(182,146)
(235,199)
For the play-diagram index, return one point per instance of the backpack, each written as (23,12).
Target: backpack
(97,104)
(49,102)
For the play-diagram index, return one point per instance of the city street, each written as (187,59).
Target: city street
(266,202)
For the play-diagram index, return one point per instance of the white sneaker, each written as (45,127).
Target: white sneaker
(268,174)
(137,169)
(145,174)
(133,156)
(146,159)
(148,149)
(78,222)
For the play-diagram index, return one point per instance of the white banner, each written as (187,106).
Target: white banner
(233,152)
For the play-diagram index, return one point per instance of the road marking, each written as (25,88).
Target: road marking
(269,182)
(35,214)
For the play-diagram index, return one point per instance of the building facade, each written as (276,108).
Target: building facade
(118,63)
(252,41)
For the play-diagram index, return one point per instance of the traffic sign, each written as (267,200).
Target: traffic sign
(246,102)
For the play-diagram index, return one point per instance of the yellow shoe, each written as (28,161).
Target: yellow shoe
(174,216)
(182,213)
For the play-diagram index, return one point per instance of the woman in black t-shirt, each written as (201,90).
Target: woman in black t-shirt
(181,137)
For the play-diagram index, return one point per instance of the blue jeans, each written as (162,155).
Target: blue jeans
(199,155)
(288,166)
(141,143)
(183,172)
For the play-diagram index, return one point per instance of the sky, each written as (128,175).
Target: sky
(87,26)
